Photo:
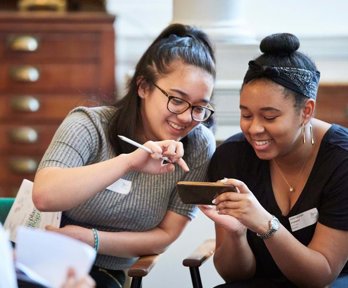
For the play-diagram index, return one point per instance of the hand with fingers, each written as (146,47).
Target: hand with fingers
(153,162)
(73,282)
(237,211)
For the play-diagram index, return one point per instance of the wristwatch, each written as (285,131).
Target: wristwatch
(273,227)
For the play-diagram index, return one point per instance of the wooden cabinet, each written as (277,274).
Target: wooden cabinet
(49,63)
(332,103)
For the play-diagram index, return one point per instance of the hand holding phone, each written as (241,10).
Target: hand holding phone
(202,193)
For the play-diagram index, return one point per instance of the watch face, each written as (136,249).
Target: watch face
(274,224)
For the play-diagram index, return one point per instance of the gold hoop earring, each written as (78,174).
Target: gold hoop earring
(311,132)
(304,133)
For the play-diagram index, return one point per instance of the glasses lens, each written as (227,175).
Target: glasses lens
(177,105)
(200,113)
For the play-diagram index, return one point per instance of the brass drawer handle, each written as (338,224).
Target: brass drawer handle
(23,165)
(25,73)
(23,43)
(27,135)
(52,5)
(25,104)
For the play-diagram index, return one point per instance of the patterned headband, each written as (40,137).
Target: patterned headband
(299,80)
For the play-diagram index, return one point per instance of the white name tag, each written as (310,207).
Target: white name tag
(304,219)
(121,186)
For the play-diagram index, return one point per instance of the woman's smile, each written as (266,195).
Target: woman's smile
(176,126)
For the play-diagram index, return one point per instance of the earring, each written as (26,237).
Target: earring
(304,133)
(311,132)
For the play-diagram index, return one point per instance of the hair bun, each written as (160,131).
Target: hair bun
(280,44)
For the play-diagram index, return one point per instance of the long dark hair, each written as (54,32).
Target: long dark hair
(177,42)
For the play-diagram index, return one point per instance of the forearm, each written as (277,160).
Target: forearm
(314,266)
(59,189)
(233,257)
(132,244)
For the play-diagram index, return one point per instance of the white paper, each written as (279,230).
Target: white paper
(33,276)
(24,213)
(49,255)
(7,271)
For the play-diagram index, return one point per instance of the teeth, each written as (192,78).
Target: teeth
(259,143)
(176,126)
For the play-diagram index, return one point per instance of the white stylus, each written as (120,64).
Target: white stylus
(136,144)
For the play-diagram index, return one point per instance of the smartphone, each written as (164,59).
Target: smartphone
(200,193)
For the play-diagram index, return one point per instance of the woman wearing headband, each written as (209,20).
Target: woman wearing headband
(288,224)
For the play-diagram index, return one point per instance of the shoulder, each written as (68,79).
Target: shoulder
(337,136)
(237,150)
(234,144)
(100,114)
(332,178)
(87,121)
(201,135)
(235,158)
(199,144)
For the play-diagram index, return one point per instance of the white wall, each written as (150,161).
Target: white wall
(137,24)
(302,17)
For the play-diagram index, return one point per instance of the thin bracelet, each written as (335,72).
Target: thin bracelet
(96,239)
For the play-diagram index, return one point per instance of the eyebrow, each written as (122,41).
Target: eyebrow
(262,109)
(185,95)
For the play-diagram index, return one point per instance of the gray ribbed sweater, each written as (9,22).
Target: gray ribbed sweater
(82,140)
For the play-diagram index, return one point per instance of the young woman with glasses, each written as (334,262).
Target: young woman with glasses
(115,197)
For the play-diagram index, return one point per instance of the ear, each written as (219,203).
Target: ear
(143,87)
(308,110)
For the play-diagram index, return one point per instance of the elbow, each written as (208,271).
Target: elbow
(40,199)
(158,250)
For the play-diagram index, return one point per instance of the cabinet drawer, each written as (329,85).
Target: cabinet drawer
(332,104)
(50,63)
(15,168)
(49,108)
(82,77)
(25,140)
(26,46)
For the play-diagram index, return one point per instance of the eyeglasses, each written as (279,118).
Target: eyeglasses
(177,105)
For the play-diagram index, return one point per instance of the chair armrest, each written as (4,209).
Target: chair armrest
(201,254)
(143,266)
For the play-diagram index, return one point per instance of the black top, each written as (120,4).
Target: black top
(326,188)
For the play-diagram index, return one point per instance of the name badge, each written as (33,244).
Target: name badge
(121,186)
(304,219)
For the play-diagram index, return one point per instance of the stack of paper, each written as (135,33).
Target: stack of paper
(24,213)
(43,256)
(47,256)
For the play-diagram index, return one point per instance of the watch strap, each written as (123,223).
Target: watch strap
(273,227)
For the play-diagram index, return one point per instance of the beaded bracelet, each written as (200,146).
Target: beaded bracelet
(96,239)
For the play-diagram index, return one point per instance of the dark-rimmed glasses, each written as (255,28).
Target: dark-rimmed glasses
(178,105)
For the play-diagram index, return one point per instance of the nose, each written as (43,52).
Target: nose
(256,127)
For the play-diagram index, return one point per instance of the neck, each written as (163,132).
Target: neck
(295,159)
(291,168)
